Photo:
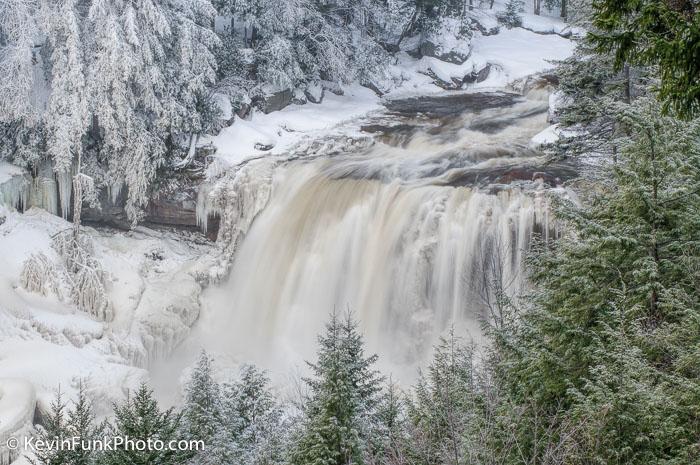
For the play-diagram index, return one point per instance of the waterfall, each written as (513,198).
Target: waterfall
(403,234)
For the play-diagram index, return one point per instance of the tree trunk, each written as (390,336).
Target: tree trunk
(409,27)
(77,201)
(563,9)
(536,6)
(627,84)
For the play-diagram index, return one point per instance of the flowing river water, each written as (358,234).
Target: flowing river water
(407,232)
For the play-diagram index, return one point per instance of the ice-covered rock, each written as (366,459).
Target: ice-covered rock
(236,198)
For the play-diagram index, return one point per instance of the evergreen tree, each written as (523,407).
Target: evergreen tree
(512,16)
(54,427)
(340,414)
(81,424)
(389,438)
(139,419)
(443,404)
(653,32)
(253,420)
(201,417)
(617,302)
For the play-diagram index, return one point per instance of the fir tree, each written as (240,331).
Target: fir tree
(653,32)
(443,404)
(81,424)
(201,418)
(140,418)
(253,419)
(621,273)
(340,412)
(54,427)
(512,16)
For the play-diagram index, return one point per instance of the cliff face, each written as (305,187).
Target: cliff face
(170,207)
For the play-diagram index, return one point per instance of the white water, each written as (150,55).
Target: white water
(379,233)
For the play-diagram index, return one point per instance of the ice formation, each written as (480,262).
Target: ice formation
(237,198)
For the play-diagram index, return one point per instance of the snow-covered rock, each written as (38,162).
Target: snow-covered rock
(547,136)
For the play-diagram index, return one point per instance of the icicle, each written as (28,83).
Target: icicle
(44,194)
(65,182)
(14,193)
(204,210)
(113,191)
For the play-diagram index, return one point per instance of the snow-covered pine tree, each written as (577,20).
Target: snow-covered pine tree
(66,117)
(625,269)
(140,418)
(512,16)
(81,424)
(253,420)
(201,413)
(18,30)
(54,425)
(389,439)
(443,404)
(188,110)
(340,413)
(21,96)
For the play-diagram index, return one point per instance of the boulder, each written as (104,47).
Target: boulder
(430,49)
(315,93)
(274,101)
(452,84)
(263,147)
(299,98)
(332,87)
(243,110)
(478,76)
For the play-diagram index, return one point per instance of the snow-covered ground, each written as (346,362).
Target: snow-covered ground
(153,290)
(155,276)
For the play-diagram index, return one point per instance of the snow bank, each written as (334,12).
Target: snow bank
(153,284)
(548,135)
(280,130)
(519,53)
(17,404)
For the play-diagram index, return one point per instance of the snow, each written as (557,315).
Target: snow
(17,402)
(548,135)
(224,105)
(153,287)
(519,53)
(282,129)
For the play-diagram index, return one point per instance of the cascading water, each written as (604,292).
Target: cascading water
(406,234)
